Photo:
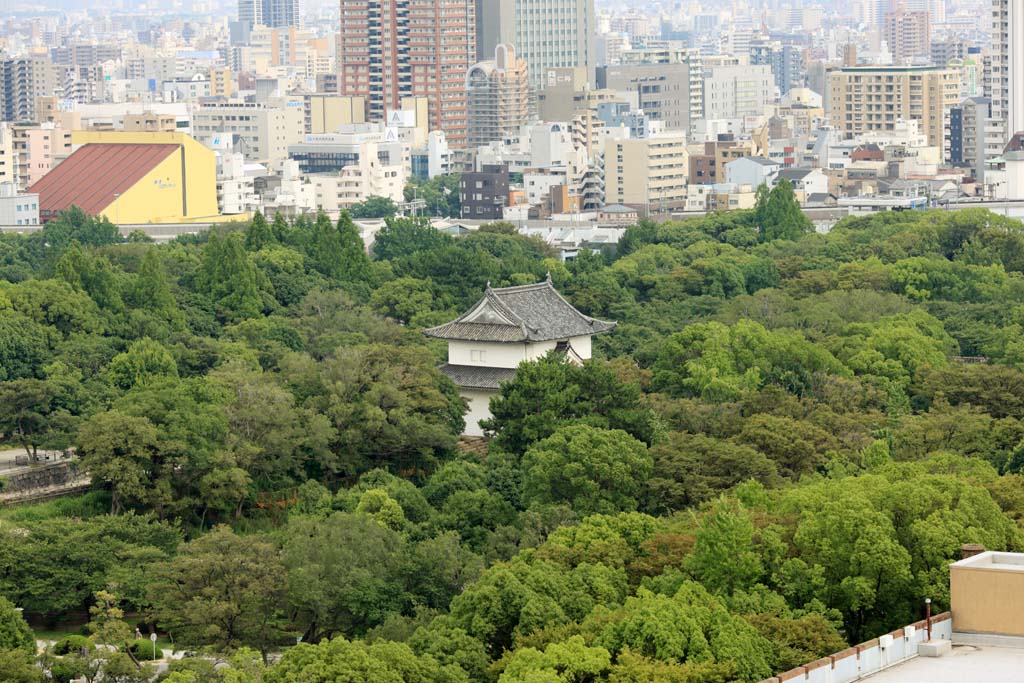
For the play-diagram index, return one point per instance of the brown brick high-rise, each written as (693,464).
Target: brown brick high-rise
(392,49)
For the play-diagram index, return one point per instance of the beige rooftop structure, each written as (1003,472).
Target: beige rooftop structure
(981,638)
(987,594)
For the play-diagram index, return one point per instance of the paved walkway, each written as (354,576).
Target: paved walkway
(9,459)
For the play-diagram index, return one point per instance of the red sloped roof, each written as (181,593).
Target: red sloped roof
(92,176)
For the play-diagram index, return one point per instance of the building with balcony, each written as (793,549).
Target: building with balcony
(648,174)
(909,35)
(735,91)
(497,97)
(867,99)
(671,92)
(22,81)
(975,136)
(1006,72)
(389,52)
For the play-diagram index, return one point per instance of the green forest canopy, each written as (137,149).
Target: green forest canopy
(774,455)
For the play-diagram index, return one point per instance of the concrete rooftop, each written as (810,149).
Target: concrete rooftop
(965,664)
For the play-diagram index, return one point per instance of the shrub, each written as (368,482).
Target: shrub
(143,650)
(70,644)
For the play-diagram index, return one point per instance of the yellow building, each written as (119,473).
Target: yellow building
(868,99)
(328,113)
(220,83)
(133,177)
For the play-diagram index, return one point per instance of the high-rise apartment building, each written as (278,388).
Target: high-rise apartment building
(220,82)
(388,51)
(909,35)
(1006,74)
(548,34)
(866,99)
(21,82)
(272,13)
(945,51)
(8,160)
(975,136)
(497,97)
(786,62)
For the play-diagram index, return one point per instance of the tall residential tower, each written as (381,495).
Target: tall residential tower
(272,13)
(498,97)
(391,50)
(1007,71)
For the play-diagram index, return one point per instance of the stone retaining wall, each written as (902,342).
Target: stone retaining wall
(39,477)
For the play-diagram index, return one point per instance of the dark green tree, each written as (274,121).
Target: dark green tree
(33,415)
(145,361)
(24,345)
(355,263)
(593,470)
(259,233)
(74,225)
(281,229)
(402,237)
(780,216)
(346,574)
(93,275)
(325,248)
(15,633)
(229,278)
(342,660)
(118,451)
(222,590)
(374,207)
(551,392)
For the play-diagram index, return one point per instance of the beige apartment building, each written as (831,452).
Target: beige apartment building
(909,35)
(868,99)
(498,97)
(648,174)
(221,84)
(148,122)
(261,132)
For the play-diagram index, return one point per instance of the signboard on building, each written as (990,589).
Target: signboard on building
(401,118)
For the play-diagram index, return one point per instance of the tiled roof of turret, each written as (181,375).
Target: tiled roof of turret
(528,313)
(476,376)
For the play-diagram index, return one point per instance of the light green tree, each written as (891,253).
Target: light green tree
(594,470)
